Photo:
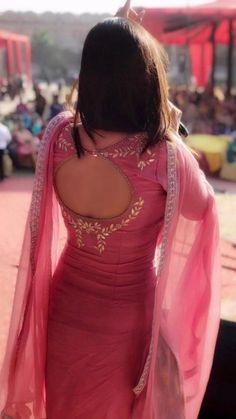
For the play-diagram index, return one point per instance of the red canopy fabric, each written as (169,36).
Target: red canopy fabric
(183,25)
(13,44)
(194,26)
(224,5)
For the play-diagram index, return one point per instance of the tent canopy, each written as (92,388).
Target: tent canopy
(192,24)
(18,49)
(200,27)
(5,36)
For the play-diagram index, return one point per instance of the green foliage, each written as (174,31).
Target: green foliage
(53,61)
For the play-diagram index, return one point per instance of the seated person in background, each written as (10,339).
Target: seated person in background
(37,125)
(22,107)
(25,146)
(55,107)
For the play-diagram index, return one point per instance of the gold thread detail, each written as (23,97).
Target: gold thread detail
(65,144)
(99,230)
(144,163)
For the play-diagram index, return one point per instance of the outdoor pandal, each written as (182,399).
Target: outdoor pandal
(201,28)
(18,53)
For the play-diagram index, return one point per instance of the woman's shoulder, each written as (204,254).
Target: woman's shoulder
(185,156)
(64,139)
(170,151)
(152,163)
(59,131)
(58,127)
(59,122)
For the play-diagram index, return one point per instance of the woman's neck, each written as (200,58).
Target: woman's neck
(102,138)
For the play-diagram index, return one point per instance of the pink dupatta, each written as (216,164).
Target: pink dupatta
(187,297)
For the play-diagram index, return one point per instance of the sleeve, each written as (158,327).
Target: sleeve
(161,167)
(196,188)
(194,183)
(190,277)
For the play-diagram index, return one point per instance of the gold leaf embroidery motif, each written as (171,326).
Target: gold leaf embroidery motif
(99,230)
(134,149)
(121,152)
(63,143)
(144,163)
(148,159)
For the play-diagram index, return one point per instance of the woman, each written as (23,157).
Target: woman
(126,324)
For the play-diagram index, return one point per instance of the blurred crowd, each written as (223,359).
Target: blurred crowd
(12,86)
(21,131)
(204,113)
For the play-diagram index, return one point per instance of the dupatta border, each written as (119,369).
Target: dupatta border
(169,212)
(38,190)
(34,219)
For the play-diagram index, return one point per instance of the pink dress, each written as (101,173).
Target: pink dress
(101,302)
(124,324)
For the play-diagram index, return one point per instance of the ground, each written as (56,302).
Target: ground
(15,194)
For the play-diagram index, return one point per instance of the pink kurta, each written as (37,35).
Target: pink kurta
(103,333)
(101,303)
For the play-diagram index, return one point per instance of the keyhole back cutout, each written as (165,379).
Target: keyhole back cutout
(93,187)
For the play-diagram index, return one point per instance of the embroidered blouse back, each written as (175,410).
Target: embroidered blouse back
(110,191)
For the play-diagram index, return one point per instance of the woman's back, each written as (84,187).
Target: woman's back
(111,192)
(102,298)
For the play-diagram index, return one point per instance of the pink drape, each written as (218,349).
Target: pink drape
(187,297)
(187,303)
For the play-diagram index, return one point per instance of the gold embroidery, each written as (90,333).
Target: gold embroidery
(100,231)
(121,152)
(65,144)
(144,163)
(132,150)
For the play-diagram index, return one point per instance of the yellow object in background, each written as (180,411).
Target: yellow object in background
(212,146)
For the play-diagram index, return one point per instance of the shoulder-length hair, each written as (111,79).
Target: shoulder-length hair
(122,84)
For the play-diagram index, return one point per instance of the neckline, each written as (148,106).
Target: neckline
(131,139)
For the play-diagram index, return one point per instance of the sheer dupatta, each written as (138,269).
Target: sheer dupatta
(187,299)
(186,311)
(22,375)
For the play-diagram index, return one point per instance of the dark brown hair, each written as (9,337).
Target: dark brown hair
(122,84)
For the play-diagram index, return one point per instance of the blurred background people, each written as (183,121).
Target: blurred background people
(25,146)
(40,102)
(55,107)
(5,139)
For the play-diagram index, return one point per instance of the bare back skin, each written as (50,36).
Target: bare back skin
(92,185)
